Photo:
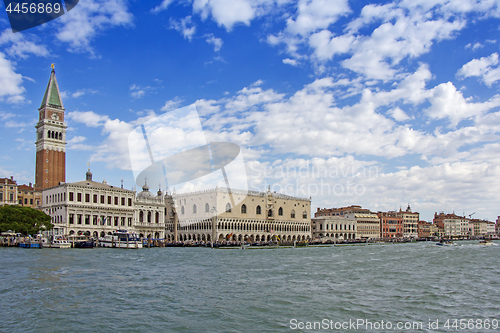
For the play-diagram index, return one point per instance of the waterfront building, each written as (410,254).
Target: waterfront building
(490,229)
(367,223)
(50,169)
(410,222)
(335,227)
(478,227)
(8,191)
(453,226)
(497,227)
(257,217)
(88,207)
(391,225)
(149,214)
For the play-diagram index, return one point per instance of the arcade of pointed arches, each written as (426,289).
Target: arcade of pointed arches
(243,230)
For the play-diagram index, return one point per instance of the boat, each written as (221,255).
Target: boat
(84,244)
(121,239)
(57,242)
(485,242)
(444,242)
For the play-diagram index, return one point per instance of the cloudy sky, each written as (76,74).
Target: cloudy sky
(381,105)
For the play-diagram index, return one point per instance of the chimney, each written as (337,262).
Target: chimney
(12,178)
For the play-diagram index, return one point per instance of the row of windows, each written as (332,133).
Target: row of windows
(11,197)
(258,210)
(337,227)
(247,227)
(99,220)
(110,200)
(149,216)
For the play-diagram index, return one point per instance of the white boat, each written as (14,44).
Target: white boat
(56,242)
(485,242)
(121,239)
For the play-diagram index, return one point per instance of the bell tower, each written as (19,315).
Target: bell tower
(50,138)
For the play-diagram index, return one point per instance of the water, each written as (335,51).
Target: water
(252,290)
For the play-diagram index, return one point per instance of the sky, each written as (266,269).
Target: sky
(379,104)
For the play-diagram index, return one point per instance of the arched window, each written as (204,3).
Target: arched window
(304,215)
(194,209)
(292,214)
(157,217)
(141,216)
(149,217)
(280,211)
(243,209)
(182,210)
(207,208)
(228,207)
(258,211)
(270,213)
(48,134)
(60,136)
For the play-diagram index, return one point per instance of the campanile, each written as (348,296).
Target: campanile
(50,138)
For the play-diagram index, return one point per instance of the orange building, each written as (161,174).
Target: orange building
(391,225)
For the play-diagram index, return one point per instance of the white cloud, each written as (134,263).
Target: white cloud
(399,115)
(172,104)
(316,14)
(291,62)
(89,118)
(483,68)
(227,13)
(216,42)
(184,26)
(21,46)
(162,6)
(11,88)
(84,22)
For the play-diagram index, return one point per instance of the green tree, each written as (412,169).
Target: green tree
(25,220)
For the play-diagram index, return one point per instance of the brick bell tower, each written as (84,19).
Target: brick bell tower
(50,138)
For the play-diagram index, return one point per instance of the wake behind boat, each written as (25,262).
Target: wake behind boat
(121,239)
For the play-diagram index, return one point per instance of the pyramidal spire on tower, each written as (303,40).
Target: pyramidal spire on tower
(52,96)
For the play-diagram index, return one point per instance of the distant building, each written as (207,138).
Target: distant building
(27,196)
(427,230)
(391,225)
(490,229)
(453,226)
(497,227)
(149,216)
(337,227)
(410,222)
(367,223)
(8,191)
(258,216)
(478,227)
(88,207)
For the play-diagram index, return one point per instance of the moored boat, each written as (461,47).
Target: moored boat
(57,242)
(121,239)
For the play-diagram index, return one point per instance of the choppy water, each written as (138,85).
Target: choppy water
(262,290)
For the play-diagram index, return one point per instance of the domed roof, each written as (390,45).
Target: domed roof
(145,194)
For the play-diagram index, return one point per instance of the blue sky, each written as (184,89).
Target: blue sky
(379,104)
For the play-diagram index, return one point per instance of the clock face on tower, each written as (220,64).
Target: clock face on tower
(54,116)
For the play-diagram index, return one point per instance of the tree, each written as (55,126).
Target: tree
(25,220)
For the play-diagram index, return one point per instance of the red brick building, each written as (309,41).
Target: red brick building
(50,167)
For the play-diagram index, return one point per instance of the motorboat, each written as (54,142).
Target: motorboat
(444,242)
(121,239)
(57,242)
(485,242)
